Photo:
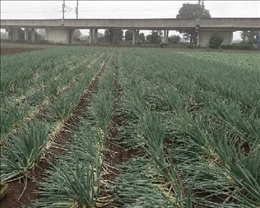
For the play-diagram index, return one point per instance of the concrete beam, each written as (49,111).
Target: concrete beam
(204,37)
(146,24)
(58,35)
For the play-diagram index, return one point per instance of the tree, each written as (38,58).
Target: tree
(154,37)
(215,41)
(141,37)
(114,35)
(249,37)
(174,39)
(128,35)
(194,11)
(77,34)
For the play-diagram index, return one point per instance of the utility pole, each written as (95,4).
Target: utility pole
(201,2)
(77,10)
(201,6)
(63,9)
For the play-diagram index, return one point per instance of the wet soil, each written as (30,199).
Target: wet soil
(116,153)
(12,51)
(15,188)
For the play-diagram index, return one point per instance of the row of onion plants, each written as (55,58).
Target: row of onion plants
(209,152)
(21,69)
(43,76)
(75,179)
(21,152)
(218,119)
(147,180)
(14,116)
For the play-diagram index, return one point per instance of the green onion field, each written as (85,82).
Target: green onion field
(130,127)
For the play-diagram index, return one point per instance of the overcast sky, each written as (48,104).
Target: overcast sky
(121,9)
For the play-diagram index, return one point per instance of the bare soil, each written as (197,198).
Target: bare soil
(116,153)
(12,51)
(15,188)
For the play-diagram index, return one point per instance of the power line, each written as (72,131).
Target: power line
(67,8)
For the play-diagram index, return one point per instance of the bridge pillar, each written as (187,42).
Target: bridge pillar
(26,34)
(204,37)
(90,37)
(71,35)
(165,36)
(58,35)
(228,38)
(135,37)
(33,34)
(95,36)
(13,33)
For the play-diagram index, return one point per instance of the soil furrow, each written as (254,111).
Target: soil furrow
(15,188)
(41,111)
(116,153)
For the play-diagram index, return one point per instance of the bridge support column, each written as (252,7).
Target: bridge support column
(26,34)
(90,37)
(95,36)
(135,37)
(204,37)
(33,34)
(71,36)
(58,35)
(165,36)
(13,33)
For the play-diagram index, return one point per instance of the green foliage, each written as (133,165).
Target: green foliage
(237,46)
(114,35)
(141,37)
(174,39)
(128,35)
(190,134)
(193,11)
(195,126)
(249,37)
(75,179)
(22,152)
(77,34)
(215,41)
(154,37)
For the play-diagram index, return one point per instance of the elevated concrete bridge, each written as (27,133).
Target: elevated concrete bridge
(61,31)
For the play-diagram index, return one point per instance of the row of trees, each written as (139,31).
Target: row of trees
(116,35)
(195,11)
(111,35)
(198,11)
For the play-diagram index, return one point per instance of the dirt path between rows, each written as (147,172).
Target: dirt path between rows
(116,153)
(15,188)
(12,51)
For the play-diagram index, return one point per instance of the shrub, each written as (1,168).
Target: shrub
(174,39)
(215,41)
(240,46)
